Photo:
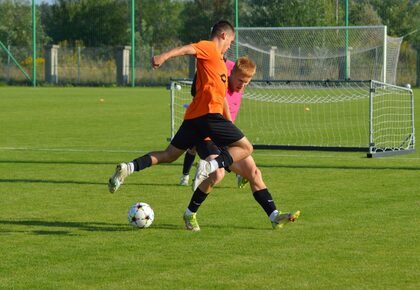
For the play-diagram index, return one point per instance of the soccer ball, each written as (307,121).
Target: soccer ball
(141,215)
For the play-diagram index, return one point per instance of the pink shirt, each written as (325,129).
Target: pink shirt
(233,98)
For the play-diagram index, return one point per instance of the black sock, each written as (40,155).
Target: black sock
(188,162)
(142,162)
(264,198)
(224,159)
(196,200)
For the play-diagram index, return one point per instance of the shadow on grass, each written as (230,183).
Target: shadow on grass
(101,227)
(83,226)
(57,162)
(104,184)
(292,166)
(81,182)
(76,162)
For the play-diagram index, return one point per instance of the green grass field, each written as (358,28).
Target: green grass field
(61,229)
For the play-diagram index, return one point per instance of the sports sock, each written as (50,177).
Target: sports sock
(188,162)
(142,162)
(130,167)
(196,200)
(273,215)
(224,159)
(264,198)
(188,212)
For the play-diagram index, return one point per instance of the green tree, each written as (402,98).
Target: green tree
(363,13)
(285,13)
(413,31)
(395,14)
(16,23)
(92,22)
(158,22)
(200,15)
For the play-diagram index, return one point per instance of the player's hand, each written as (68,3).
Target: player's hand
(157,61)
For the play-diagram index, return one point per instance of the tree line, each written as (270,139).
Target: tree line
(163,23)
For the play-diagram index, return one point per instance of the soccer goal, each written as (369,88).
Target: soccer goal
(368,116)
(314,53)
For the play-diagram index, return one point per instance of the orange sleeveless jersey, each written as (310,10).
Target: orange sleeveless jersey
(212,81)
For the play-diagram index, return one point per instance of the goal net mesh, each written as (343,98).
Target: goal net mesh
(319,53)
(328,115)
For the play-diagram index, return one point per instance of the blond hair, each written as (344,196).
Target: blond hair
(245,66)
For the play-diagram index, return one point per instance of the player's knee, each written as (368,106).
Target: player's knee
(247,146)
(250,148)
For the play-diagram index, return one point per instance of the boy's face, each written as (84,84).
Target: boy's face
(238,81)
(229,37)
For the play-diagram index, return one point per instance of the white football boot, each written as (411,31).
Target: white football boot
(121,172)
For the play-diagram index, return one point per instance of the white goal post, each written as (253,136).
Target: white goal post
(369,116)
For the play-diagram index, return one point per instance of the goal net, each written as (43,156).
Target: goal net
(368,116)
(319,53)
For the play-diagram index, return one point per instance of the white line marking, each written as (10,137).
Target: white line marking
(255,153)
(71,150)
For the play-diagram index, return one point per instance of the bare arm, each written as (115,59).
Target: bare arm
(158,60)
(226,111)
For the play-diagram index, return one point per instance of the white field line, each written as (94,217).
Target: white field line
(255,153)
(70,150)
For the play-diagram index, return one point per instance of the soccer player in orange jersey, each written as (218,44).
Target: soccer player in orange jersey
(204,116)
(244,68)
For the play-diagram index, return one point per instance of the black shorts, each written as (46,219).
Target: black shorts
(205,148)
(214,126)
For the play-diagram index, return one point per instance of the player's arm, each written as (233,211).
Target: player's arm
(226,111)
(158,60)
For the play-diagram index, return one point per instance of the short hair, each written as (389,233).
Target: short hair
(245,66)
(220,27)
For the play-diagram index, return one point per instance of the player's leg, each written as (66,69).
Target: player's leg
(249,170)
(186,166)
(205,149)
(223,133)
(170,154)
(240,149)
(198,198)
(182,140)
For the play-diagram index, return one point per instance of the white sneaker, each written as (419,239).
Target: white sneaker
(121,172)
(203,171)
(184,180)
